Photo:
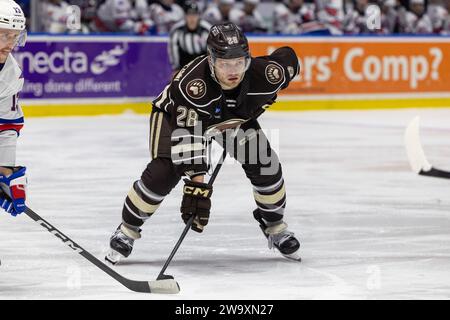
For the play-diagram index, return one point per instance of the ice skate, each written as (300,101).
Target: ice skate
(121,244)
(279,237)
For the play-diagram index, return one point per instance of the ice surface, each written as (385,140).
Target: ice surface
(369,227)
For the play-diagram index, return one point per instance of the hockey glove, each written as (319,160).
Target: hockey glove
(6,204)
(14,187)
(196,202)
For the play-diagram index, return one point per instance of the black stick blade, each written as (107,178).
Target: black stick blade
(435,173)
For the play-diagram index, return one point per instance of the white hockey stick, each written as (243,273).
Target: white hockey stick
(416,155)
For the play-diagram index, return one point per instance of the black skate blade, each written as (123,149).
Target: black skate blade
(110,262)
(113,257)
(292,258)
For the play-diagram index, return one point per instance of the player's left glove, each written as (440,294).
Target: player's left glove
(14,187)
(196,202)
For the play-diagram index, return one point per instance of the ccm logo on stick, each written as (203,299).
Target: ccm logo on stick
(69,243)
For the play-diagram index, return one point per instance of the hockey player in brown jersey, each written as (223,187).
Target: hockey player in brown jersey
(220,94)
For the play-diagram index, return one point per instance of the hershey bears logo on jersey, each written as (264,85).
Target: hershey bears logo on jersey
(274,74)
(196,89)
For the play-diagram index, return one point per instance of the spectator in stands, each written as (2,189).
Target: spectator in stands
(55,15)
(331,14)
(359,21)
(219,12)
(389,16)
(446,26)
(165,14)
(416,19)
(247,18)
(438,15)
(88,10)
(117,16)
(289,16)
(140,13)
(348,6)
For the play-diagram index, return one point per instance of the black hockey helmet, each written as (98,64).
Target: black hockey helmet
(191,7)
(226,41)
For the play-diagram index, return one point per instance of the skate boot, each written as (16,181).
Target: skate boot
(279,237)
(121,243)
(284,240)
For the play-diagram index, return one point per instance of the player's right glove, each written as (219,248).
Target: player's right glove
(196,202)
(14,187)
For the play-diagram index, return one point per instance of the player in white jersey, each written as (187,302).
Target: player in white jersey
(247,18)
(12,177)
(117,16)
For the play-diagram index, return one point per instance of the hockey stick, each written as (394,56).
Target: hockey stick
(416,155)
(163,276)
(158,286)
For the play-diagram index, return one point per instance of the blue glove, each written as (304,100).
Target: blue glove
(6,205)
(14,187)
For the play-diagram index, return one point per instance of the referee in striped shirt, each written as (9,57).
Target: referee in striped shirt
(188,37)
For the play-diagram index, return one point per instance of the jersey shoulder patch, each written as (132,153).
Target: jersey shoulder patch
(196,85)
(274,73)
(267,76)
